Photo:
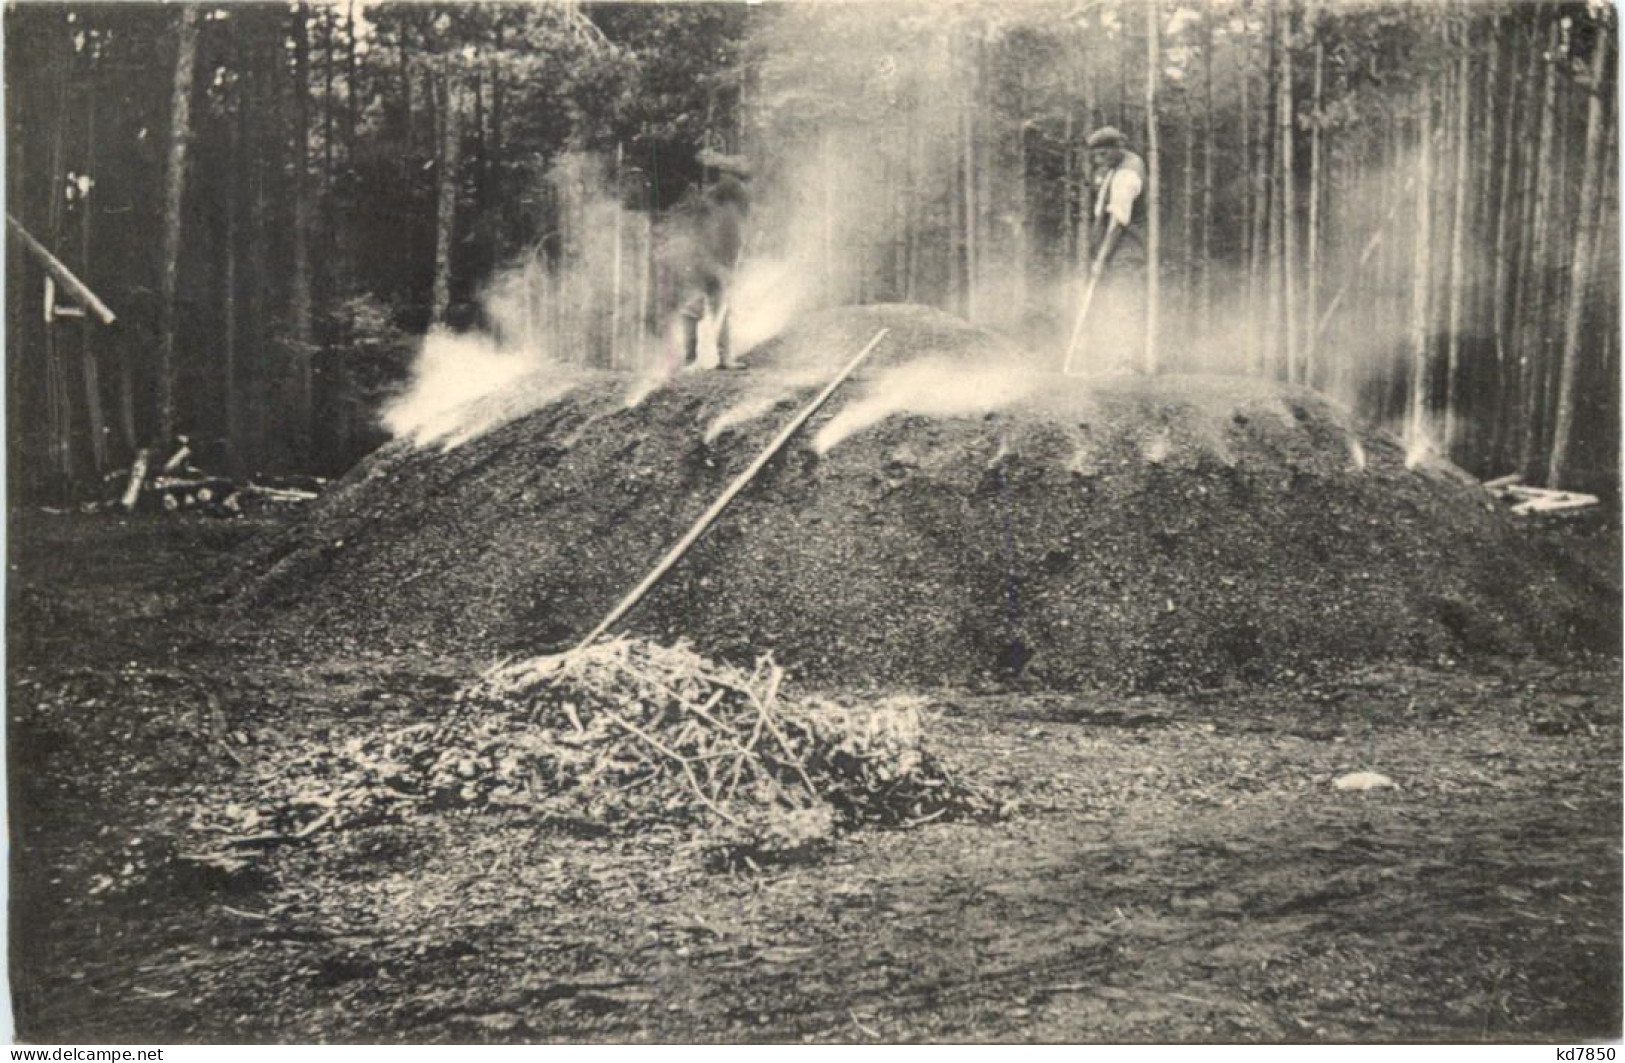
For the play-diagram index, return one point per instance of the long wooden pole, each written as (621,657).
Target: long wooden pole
(676,553)
(64,276)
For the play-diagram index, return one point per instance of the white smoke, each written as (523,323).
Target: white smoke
(465,385)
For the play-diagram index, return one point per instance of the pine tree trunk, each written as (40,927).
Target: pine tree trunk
(58,400)
(1532,304)
(1019,224)
(1312,280)
(1289,222)
(1555,295)
(968,132)
(1249,199)
(1206,298)
(352,110)
(446,196)
(228,288)
(329,59)
(1482,225)
(1421,275)
(1153,194)
(95,423)
(301,317)
(1458,234)
(1269,137)
(1580,267)
(180,134)
(267,115)
(403,63)
(1187,236)
(618,235)
(1502,276)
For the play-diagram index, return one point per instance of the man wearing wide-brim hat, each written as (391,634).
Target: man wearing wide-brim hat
(1117,258)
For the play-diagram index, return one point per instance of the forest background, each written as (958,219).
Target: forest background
(1411,207)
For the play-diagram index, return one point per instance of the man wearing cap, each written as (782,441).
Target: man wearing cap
(1117,258)
(718,241)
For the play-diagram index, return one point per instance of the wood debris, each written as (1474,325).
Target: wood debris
(1526,500)
(178,484)
(624,735)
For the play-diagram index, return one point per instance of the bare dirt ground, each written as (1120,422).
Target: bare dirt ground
(1178,868)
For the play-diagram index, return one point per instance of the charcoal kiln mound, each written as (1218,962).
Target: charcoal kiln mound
(957,515)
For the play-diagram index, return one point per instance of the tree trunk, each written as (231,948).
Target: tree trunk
(352,109)
(1069,162)
(58,400)
(618,235)
(1312,281)
(1457,283)
(1249,199)
(180,133)
(228,286)
(329,61)
(446,198)
(968,136)
(1206,298)
(1421,274)
(1289,216)
(301,324)
(1153,195)
(267,114)
(1269,136)
(95,425)
(1187,235)
(1501,282)
(404,65)
(1555,295)
(1019,224)
(1482,224)
(1532,308)
(1580,267)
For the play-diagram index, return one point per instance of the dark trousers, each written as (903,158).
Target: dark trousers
(708,296)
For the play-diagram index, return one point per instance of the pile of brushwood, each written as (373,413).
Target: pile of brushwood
(624,735)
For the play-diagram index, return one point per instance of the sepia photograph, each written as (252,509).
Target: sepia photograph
(860,522)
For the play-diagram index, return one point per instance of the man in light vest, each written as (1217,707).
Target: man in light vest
(1117,258)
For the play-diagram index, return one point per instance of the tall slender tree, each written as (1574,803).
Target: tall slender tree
(1457,284)
(1580,264)
(1421,279)
(180,135)
(301,324)
(1153,192)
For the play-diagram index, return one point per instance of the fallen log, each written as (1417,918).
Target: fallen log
(138,473)
(1541,500)
(180,455)
(281,494)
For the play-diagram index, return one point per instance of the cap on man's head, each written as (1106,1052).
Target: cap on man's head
(1105,137)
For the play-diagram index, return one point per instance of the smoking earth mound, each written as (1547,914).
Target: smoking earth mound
(955,516)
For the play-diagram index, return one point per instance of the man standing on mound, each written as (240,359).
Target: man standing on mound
(1117,258)
(719,239)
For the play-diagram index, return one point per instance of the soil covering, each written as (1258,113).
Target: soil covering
(958,515)
(1181,867)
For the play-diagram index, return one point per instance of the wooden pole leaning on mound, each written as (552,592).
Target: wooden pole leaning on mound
(739,483)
